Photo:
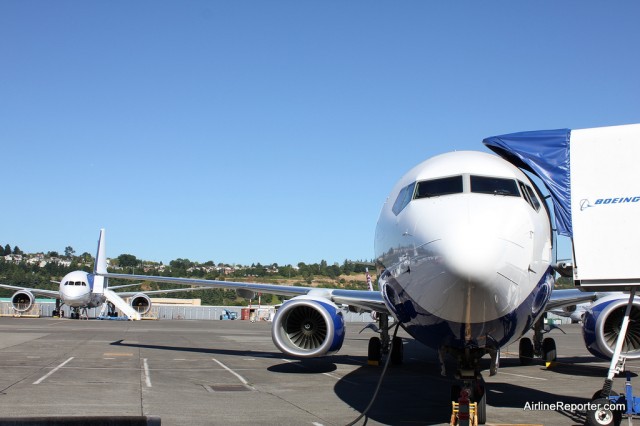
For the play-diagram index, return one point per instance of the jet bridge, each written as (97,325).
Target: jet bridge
(593,178)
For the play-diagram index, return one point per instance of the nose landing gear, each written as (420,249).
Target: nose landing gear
(472,393)
(469,376)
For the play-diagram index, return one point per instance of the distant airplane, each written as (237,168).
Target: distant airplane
(463,249)
(80,290)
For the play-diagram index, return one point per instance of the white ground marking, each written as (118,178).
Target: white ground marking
(41,379)
(522,375)
(147,378)
(242,379)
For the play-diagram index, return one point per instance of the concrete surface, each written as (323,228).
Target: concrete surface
(229,372)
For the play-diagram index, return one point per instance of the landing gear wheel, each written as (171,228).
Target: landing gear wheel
(397,353)
(602,417)
(525,351)
(549,351)
(375,351)
(480,397)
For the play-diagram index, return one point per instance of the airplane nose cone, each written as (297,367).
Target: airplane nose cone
(472,254)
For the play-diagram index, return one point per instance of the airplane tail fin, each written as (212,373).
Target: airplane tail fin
(100,266)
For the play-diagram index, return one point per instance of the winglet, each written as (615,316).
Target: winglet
(100,266)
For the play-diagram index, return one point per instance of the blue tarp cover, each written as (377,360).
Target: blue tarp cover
(545,153)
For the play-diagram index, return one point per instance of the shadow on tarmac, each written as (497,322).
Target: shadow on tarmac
(313,364)
(413,392)
(416,393)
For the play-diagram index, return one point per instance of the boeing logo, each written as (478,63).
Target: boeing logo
(584,204)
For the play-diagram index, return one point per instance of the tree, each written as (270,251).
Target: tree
(334,271)
(127,260)
(69,251)
(564,282)
(347,267)
(183,264)
(16,250)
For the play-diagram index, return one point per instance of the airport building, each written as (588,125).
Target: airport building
(171,309)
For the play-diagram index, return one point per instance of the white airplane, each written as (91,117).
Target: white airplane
(463,248)
(80,290)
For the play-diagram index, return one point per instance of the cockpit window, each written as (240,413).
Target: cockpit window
(530,196)
(81,283)
(403,199)
(494,186)
(438,187)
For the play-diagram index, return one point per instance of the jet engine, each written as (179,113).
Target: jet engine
(601,327)
(141,303)
(22,300)
(308,327)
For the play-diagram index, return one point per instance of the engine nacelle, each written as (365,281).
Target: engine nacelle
(22,300)
(141,303)
(308,327)
(246,294)
(601,326)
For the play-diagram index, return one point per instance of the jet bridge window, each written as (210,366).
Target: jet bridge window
(438,187)
(403,199)
(494,186)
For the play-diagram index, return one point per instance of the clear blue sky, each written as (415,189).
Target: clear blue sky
(272,131)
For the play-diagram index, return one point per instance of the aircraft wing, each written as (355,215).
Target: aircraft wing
(114,287)
(173,290)
(365,300)
(39,291)
(568,297)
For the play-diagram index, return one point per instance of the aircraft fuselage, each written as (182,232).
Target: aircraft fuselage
(463,246)
(76,291)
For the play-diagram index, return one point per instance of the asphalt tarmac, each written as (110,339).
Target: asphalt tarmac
(230,373)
